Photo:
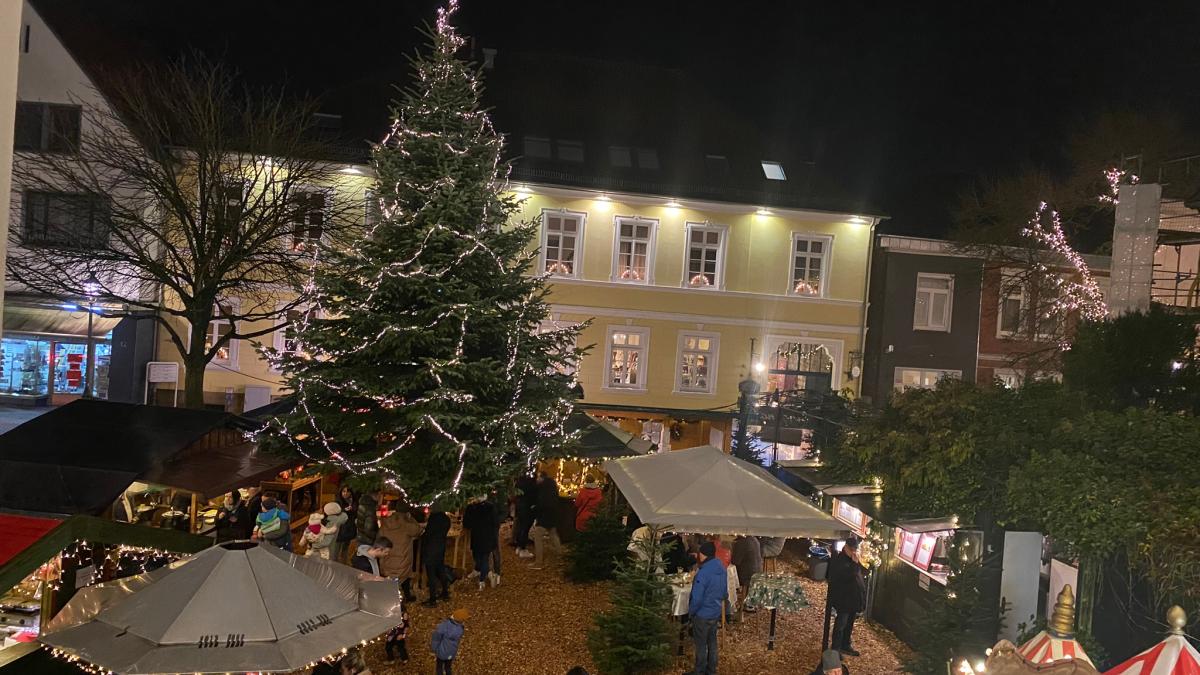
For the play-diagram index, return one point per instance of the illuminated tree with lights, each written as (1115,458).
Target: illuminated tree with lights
(424,366)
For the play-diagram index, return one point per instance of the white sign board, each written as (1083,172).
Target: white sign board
(162,371)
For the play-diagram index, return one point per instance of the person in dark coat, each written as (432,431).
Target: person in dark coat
(526,502)
(233,521)
(348,532)
(678,558)
(433,556)
(747,558)
(367,520)
(545,520)
(480,518)
(847,595)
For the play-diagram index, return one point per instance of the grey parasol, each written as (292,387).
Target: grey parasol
(704,490)
(235,607)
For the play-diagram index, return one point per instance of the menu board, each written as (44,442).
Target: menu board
(909,541)
(852,516)
(925,551)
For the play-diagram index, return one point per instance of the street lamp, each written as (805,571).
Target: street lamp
(91,288)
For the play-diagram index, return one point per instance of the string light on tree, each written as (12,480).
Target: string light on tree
(1080,294)
(423,365)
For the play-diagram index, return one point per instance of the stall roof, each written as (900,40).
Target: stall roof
(20,532)
(87,452)
(600,440)
(704,490)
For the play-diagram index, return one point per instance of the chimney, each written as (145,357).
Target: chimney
(489,58)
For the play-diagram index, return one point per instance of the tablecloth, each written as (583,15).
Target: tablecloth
(776,591)
(681,586)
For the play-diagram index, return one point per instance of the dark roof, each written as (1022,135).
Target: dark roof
(79,458)
(599,103)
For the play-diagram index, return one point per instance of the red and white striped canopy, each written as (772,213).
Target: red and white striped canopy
(1173,656)
(1047,648)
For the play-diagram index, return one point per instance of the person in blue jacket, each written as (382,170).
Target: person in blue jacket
(710,590)
(446,638)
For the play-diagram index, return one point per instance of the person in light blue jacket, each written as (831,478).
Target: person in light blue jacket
(446,638)
(710,590)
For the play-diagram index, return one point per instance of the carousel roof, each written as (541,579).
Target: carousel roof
(1173,656)
(1057,641)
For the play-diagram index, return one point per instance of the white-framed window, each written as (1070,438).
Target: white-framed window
(697,362)
(794,363)
(1014,309)
(633,255)
(810,264)
(626,351)
(572,365)
(222,324)
(372,209)
(307,219)
(1015,379)
(705,263)
(773,170)
(934,301)
(293,320)
(562,242)
(922,378)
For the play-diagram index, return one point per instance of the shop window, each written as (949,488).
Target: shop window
(24,366)
(65,219)
(922,378)
(307,219)
(634,256)
(562,242)
(47,127)
(71,368)
(810,264)
(932,307)
(625,357)
(697,363)
(705,256)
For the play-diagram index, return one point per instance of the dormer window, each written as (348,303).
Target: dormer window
(773,170)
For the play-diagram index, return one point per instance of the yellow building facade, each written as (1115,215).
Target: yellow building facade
(683,300)
(686,299)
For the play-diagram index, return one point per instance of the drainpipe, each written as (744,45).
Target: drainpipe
(862,339)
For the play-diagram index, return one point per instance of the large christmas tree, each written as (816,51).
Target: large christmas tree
(426,365)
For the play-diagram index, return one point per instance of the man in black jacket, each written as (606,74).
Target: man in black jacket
(847,594)
(480,518)
(545,520)
(433,555)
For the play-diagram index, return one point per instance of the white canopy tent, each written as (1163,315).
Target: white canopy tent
(704,490)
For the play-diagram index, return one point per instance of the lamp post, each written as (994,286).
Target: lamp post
(91,288)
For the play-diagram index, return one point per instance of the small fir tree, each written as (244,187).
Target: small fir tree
(599,548)
(635,636)
(425,366)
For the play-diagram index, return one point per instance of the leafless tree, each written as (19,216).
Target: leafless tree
(187,198)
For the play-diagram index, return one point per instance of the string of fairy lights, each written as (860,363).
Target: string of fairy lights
(519,426)
(1077,294)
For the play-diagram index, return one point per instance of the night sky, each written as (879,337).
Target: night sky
(904,103)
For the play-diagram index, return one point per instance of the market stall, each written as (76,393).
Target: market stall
(704,490)
(255,608)
(151,465)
